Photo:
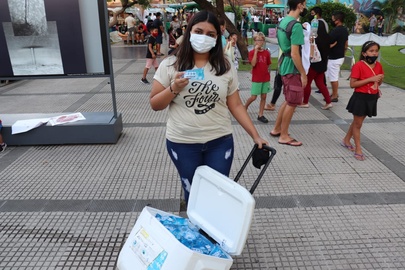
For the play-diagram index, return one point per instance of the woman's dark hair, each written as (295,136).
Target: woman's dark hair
(231,35)
(170,30)
(317,10)
(221,21)
(179,32)
(185,53)
(367,46)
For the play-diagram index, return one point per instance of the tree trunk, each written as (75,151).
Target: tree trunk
(243,49)
(125,4)
(230,27)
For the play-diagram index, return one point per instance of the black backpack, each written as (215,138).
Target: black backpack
(288,29)
(288,32)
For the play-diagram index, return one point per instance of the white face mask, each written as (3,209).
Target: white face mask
(202,43)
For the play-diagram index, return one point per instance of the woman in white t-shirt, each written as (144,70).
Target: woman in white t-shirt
(200,88)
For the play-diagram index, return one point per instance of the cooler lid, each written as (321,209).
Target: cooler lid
(222,208)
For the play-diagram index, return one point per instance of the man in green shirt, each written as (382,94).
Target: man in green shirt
(292,72)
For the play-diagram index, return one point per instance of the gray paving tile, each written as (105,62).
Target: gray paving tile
(67,206)
(275,202)
(318,200)
(361,198)
(23,205)
(111,206)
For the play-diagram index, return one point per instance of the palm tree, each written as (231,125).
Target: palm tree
(390,10)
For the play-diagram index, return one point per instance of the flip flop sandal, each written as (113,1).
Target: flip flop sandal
(360,157)
(347,146)
(277,134)
(293,142)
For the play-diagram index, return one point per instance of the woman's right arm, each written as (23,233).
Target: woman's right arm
(160,96)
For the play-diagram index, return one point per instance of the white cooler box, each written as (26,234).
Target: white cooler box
(218,205)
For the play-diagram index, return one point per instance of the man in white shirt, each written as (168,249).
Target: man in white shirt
(130,23)
(373,23)
(256,21)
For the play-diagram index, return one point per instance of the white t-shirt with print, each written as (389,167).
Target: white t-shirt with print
(199,113)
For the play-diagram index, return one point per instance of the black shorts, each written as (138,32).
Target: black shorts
(361,104)
(159,39)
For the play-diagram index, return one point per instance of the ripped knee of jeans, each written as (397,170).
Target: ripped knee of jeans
(174,154)
(228,153)
(186,184)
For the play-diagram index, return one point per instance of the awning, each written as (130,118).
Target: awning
(274,6)
(186,5)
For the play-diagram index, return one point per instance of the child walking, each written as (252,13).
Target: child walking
(150,54)
(366,77)
(3,145)
(260,60)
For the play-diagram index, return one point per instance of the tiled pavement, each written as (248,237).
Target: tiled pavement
(72,207)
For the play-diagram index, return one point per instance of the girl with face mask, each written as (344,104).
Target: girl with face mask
(199,88)
(366,78)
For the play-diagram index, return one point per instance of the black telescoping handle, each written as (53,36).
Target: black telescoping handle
(259,177)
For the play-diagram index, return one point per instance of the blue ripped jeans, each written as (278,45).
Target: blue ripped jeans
(217,154)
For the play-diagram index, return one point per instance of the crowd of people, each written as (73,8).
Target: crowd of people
(198,83)
(376,25)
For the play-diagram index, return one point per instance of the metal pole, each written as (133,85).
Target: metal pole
(112,84)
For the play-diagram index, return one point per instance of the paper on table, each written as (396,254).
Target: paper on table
(21,126)
(67,118)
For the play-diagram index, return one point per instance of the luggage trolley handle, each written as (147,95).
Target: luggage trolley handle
(259,177)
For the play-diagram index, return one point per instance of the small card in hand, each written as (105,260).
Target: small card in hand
(194,74)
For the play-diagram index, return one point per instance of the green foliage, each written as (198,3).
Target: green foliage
(235,9)
(144,3)
(127,3)
(390,10)
(398,29)
(328,8)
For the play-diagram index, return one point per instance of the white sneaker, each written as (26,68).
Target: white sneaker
(327,106)
(3,147)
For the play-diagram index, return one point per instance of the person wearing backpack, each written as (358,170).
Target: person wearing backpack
(291,70)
